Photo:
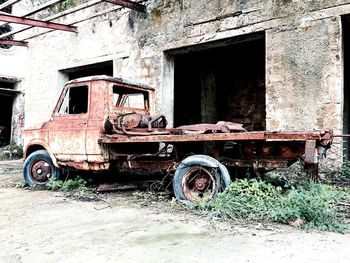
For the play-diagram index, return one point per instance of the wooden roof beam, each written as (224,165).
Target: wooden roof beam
(38,23)
(129,4)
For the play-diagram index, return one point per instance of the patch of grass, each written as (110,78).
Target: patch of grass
(257,200)
(20,185)
(11,151)
(345,170)
(76,188)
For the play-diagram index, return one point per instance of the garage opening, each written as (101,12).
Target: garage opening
(7,96)
(346,106)
(103,68)
(224,80)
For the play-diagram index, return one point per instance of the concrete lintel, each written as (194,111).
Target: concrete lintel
(10,79)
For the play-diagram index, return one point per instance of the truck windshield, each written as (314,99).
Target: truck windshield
(130,98)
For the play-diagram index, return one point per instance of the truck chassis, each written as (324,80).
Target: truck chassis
(100,124)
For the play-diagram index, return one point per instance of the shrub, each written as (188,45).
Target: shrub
(258,200)
(11,151)
(73,187)
(345,170)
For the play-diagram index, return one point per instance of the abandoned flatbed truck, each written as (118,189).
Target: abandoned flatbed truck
(104,123)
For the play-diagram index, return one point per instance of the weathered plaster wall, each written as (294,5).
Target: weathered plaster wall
(13,67)
(304,78)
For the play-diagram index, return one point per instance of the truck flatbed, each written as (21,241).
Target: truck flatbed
(232,136)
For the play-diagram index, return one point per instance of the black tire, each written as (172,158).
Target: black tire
(199,178)
(38,169)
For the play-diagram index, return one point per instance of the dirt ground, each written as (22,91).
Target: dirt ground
(46,226)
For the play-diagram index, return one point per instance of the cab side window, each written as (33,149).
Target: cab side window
(75,101)
(130,98)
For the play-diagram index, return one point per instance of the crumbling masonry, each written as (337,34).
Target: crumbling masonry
(275,64)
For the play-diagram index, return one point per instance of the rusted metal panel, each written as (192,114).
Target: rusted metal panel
(84,165)
(260,163)
(14,43)
(222,126)
(38,23)
(310,152)
(119,81)
(148,165)
(116,187)
(129,4)
(287,136)
(67,135)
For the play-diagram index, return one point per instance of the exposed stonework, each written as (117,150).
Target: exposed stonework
(304,61)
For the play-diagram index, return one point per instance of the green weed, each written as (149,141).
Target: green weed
(257,200)
(11,151)
(76,188)
(21,184)
(345,170)
(67,4)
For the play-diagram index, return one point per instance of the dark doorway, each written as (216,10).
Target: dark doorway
(6,105)
(346,106)
(103,68)
(224,81)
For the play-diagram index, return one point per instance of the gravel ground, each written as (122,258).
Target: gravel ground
(46,226)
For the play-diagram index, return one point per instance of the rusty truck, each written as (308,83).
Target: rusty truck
(104,123)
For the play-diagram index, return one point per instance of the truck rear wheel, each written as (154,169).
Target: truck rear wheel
(38,169)
(199,178)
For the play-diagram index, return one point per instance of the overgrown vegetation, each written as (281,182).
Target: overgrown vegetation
(11,151)
(345,171)
(311,203)
(76,188)
(67,4)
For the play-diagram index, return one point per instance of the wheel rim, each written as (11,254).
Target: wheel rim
(40,172)
(198,184)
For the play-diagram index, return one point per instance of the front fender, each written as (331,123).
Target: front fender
(34,145)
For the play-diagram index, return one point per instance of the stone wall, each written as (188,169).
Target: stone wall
(304,61)
(12,70)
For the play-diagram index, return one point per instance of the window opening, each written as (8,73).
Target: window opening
(130,98)
(6,28)
(3,30)
(75,101)
(6,9)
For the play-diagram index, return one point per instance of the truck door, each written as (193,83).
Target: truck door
(67,128)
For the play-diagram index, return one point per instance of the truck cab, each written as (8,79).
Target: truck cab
(85,110)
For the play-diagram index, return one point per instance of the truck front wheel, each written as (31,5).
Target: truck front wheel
(38,169)
(199,178)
